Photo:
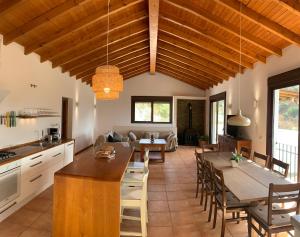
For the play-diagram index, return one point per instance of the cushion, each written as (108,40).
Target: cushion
(110,138)
(171,136)
(148,135)
(132,136)
(109,133)
(117,137)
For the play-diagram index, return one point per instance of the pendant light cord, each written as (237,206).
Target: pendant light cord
(108,3)
(240,65)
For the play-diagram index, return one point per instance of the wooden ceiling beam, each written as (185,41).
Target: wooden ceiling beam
(40,20)
(7,5)
(220,23)
(179,43)
(188,68)
(261,20)
(191,60)
(72,53)
(291,5)
(79,24)
(139,48)
(233,57)
(181,78)
(134,60)
(100,53)
(136,73)
(193,77)
(116,61)
(179,24)
(153,6)
(203,61)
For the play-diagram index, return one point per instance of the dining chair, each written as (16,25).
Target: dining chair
(199,171)
(226,202)
(245,152)
(138,166)
(208,186)
(134,196)
(275,217)
(210,148)
(283,167)
(261,159)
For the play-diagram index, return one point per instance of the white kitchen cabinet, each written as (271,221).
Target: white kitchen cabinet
(69,153)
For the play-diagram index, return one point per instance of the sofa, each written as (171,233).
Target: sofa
(132,136)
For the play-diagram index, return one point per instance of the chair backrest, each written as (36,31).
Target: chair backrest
(145,182)
(245,152)
(280,194)
(284,166)
(146,158)
(210,148)
(219,187)
(208,174)
(260,158)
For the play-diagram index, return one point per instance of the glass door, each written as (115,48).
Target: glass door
(286,127)
(217,117)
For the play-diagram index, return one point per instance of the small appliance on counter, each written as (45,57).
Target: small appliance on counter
(54,133)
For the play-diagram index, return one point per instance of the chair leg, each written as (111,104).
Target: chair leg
(197,191)
(210,206)
(143,220)
(202,193)
(223,224)
(206,197)
(238,216)
(215,215)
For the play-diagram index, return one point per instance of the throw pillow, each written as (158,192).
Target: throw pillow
(117,137)
(110,138)
(148,135)
(132,136)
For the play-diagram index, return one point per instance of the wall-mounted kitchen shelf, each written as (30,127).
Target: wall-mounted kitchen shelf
(38,116)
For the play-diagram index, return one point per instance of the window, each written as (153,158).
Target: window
(151,109)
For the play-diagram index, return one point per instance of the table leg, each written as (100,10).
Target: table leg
(142,152)
(163,153)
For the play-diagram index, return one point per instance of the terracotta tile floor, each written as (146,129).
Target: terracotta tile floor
(173,209)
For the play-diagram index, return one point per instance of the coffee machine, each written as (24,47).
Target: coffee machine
(54,132)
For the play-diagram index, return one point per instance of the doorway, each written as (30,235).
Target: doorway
(66,118)
(283,122)
(217,116)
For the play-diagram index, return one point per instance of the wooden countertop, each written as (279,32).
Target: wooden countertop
(111,170)
(27,150)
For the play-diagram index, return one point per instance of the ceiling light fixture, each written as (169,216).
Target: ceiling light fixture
(239,119)
(107,82)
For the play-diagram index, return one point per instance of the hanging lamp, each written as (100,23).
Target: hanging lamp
(107,83)
(239,119)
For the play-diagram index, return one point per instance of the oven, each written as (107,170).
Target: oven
(10,179)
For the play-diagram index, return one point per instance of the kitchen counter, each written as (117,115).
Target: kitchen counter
(28,149)
(87,195)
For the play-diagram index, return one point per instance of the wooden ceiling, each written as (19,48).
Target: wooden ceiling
(194,41)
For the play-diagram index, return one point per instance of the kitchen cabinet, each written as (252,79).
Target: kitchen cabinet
(69,153)
(37,174)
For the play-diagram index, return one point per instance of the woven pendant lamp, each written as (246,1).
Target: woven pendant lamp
(239,119)
(107,83)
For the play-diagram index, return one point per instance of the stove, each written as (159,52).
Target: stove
(4,155)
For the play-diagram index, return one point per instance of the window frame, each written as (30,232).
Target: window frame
(152,100)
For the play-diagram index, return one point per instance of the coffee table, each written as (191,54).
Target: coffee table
(158,143)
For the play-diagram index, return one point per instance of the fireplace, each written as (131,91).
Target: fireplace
(190,135)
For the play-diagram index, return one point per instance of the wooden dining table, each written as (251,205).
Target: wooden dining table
(249,182)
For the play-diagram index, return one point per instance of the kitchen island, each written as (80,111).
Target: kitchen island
(87,195)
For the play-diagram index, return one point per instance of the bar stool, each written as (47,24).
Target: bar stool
(134,196)
(138,166)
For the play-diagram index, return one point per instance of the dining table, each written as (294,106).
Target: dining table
(249,182)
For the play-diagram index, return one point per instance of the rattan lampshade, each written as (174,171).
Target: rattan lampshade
(112,95)
(107,78)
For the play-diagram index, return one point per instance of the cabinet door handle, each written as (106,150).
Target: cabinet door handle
(70,144)
(10,206)
(34,179)
(57,155)
(33,158)
(40,162)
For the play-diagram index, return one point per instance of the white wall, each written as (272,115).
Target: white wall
(253,86)
(118,112)
(17,72)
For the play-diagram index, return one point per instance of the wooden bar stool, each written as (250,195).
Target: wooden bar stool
(138,166)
